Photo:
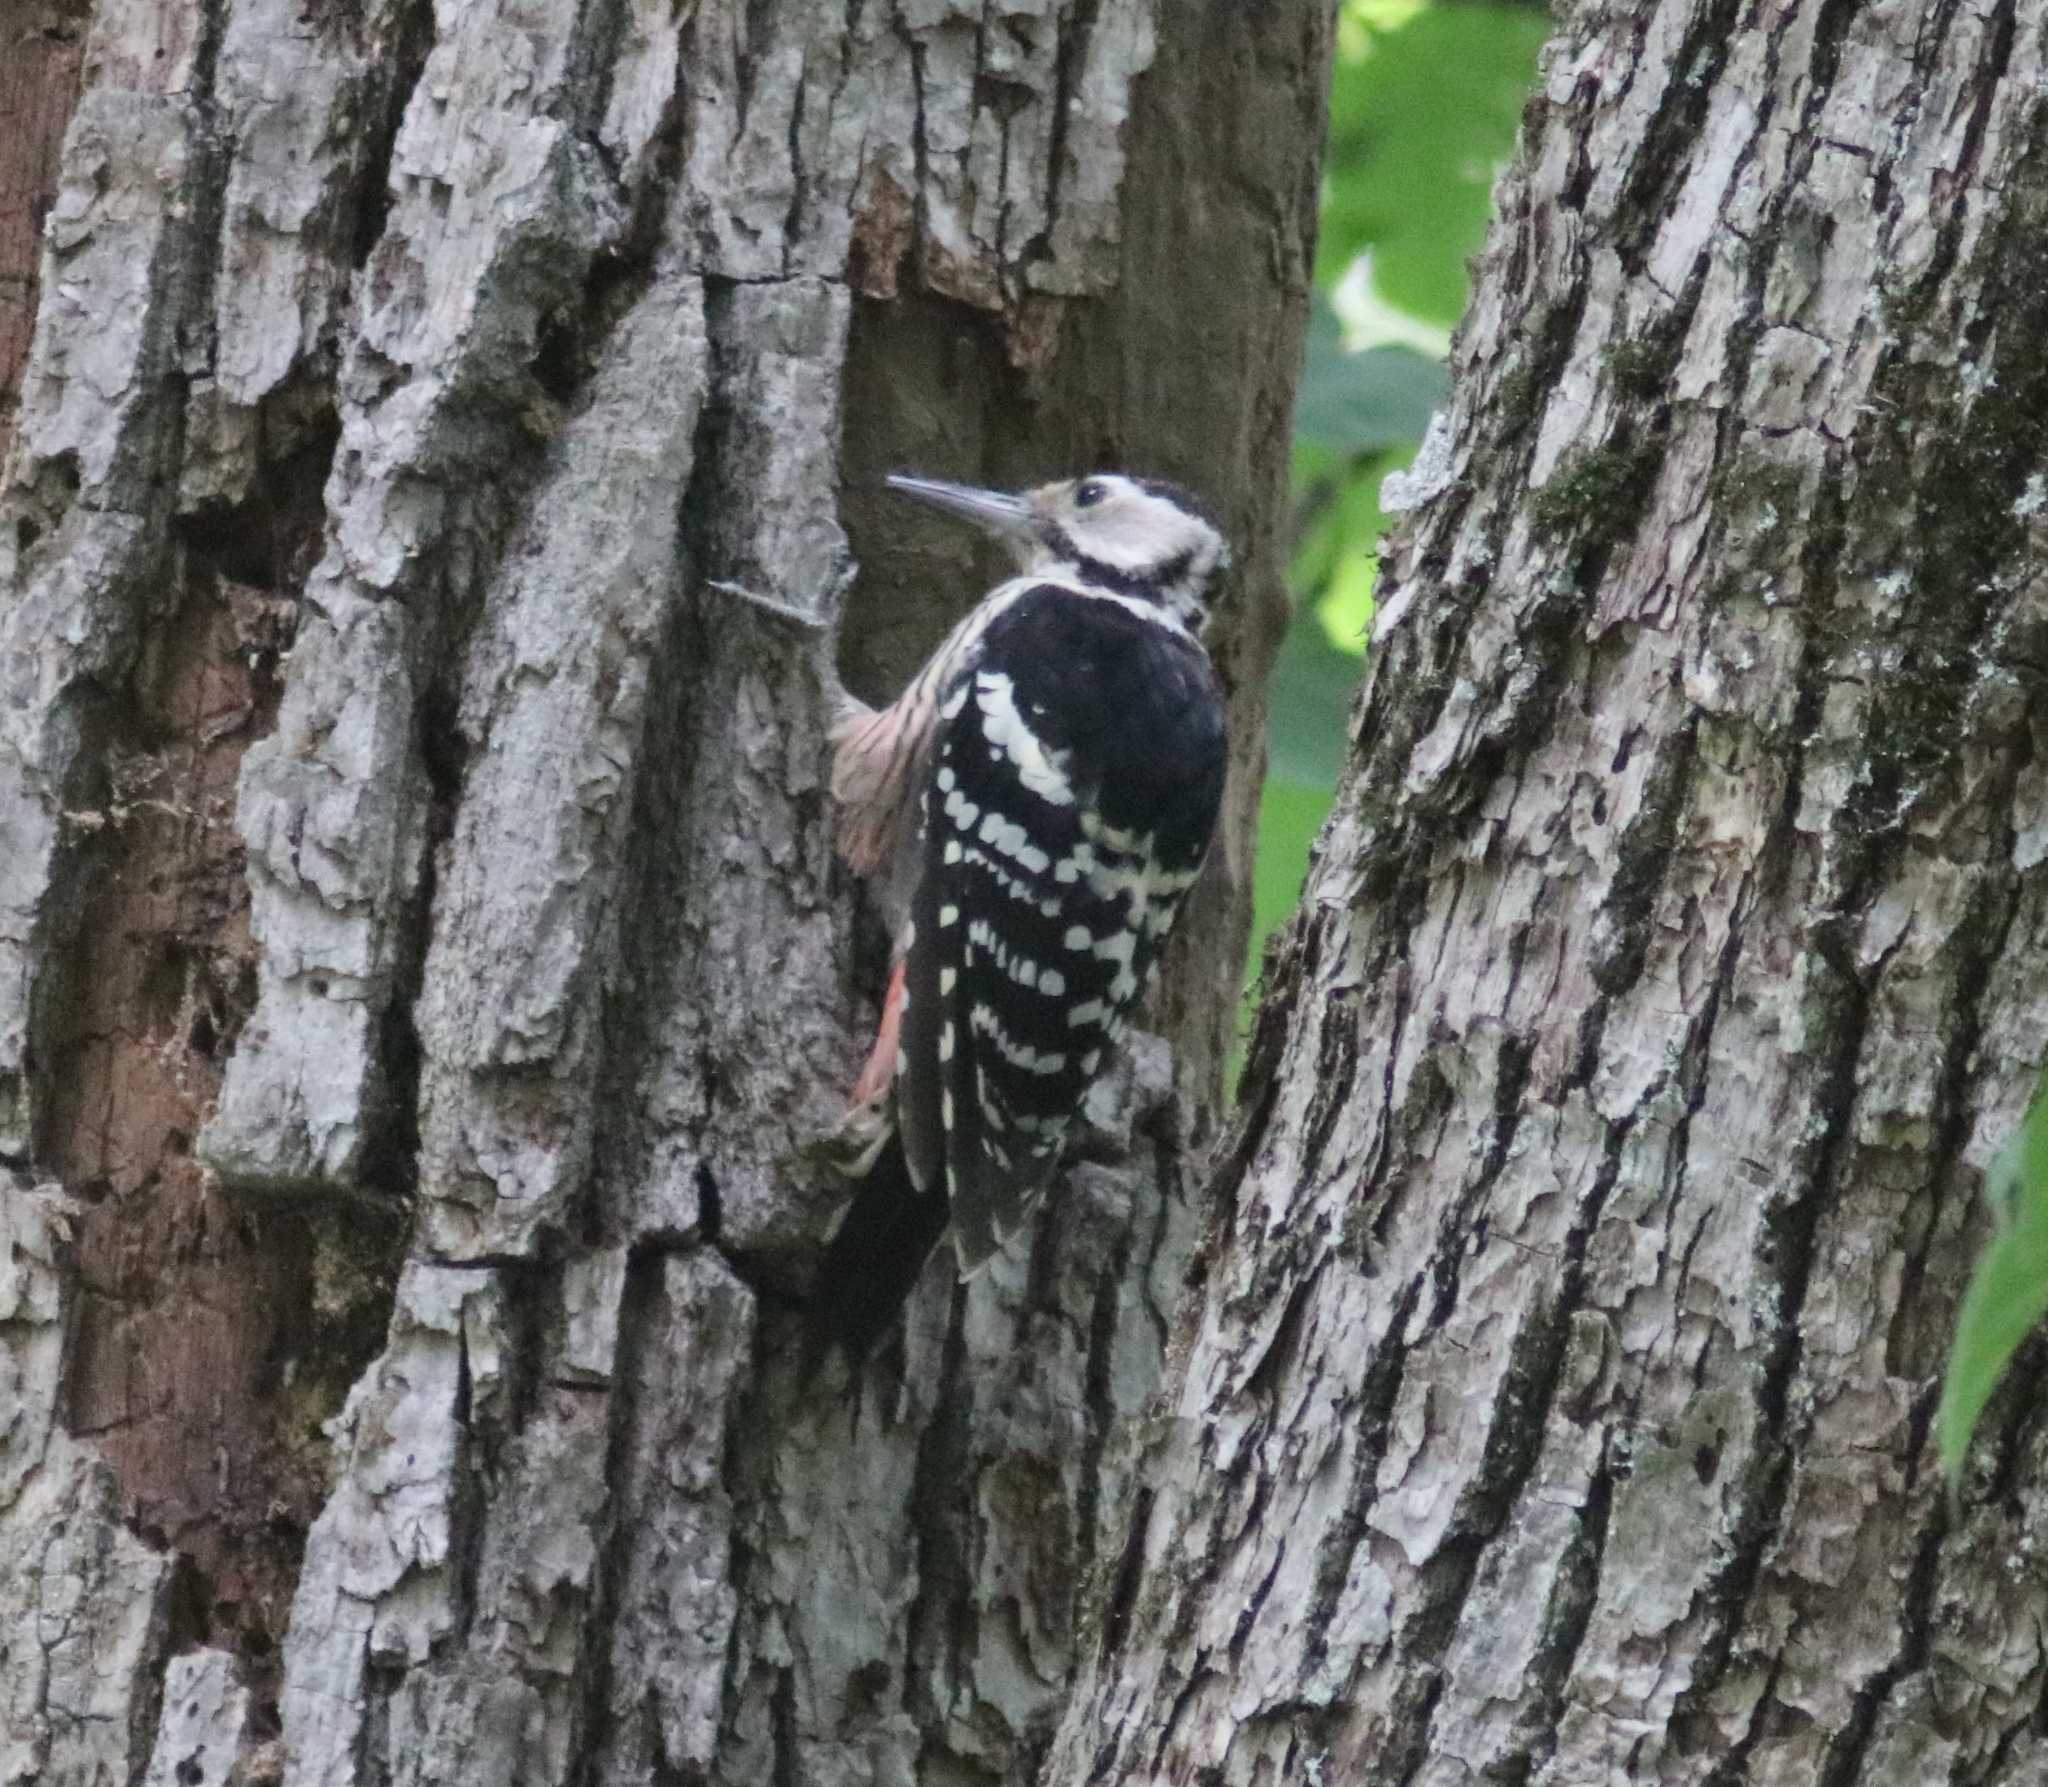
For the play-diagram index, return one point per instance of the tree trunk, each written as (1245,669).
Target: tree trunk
(423,967)
(1555,1405)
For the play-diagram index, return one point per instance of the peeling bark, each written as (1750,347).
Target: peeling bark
(423,963)
(1555,1407)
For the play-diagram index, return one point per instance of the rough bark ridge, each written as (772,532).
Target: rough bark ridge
(38,86)
(423,965)
(1557,1404)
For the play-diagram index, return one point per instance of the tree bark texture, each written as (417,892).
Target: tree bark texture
(40,50)
(1556,1405)
(423,966)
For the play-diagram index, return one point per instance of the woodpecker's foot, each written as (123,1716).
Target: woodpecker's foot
(875,1077)
(849,1148)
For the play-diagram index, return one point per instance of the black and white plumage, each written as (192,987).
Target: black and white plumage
(1033,809)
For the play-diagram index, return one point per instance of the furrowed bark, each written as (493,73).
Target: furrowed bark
(38,88)
(1556,1404)
(425,965)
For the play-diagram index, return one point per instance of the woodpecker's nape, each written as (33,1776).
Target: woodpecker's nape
(1032,810)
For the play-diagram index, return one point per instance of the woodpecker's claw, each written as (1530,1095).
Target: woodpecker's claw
(849,1148)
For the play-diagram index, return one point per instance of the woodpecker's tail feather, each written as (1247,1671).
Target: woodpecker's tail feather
(874,1259)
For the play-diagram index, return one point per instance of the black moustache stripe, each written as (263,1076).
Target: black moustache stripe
(1142,586)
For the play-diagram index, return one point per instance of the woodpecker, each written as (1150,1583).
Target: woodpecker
(1031,810)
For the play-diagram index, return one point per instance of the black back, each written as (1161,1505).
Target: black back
(1132,710)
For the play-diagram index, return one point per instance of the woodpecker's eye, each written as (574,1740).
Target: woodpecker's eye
(1089,492)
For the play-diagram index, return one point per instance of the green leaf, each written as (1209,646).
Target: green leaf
(1311,692)
(1422,113)
(1348,603)
(2008,1292)
(1421,118)
(1362,403)
(1290,815)
(1382,15)
(1306,737)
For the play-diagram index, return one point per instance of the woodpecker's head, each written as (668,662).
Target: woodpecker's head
(1136,536)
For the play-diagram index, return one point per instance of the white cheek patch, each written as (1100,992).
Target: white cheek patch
(1134,531)
(1040,770)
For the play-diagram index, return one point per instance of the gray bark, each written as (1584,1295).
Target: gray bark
(424,970)
(1556,1404)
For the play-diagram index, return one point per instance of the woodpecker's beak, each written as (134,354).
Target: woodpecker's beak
(1009,518)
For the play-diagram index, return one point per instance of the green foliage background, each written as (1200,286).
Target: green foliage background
(2008,1292)
(1423,111)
